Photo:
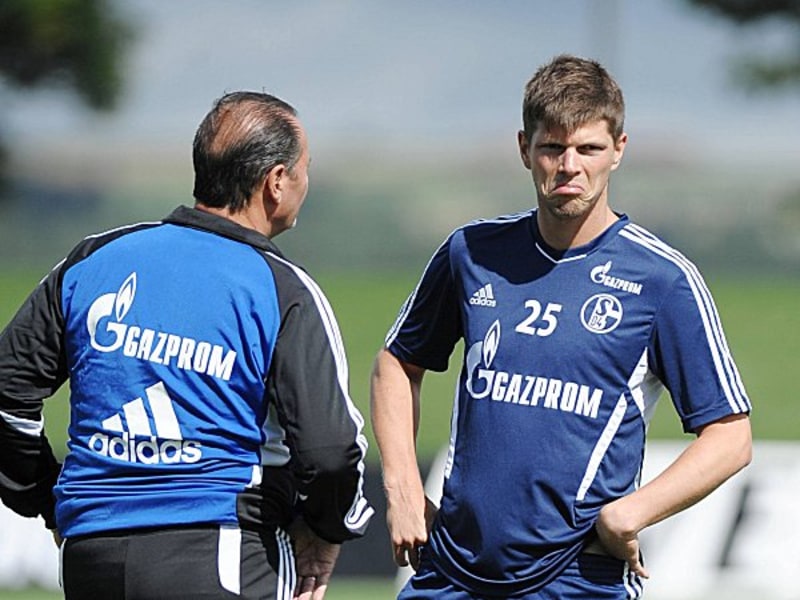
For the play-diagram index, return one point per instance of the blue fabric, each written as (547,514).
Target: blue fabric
(587,576)
(565,356)
(161,383)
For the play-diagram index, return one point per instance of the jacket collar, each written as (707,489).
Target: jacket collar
(198,219)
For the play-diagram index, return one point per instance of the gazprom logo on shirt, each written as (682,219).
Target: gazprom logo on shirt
(108,333)
(483,382)
(600,274)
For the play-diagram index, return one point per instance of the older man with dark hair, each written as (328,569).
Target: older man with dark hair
(213,446)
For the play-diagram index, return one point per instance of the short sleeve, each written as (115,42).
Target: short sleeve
(429,324)
(690,355)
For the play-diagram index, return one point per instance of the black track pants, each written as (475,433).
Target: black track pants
(181,563)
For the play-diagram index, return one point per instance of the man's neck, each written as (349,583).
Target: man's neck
(565,233)
(249,217)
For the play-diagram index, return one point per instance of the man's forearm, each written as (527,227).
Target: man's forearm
(720,450)
(28,471)
(395,393)
(394,410)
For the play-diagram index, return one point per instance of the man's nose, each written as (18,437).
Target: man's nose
(569,161)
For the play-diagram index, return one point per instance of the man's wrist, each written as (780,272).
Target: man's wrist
(620,518)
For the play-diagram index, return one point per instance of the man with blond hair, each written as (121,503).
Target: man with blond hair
(573,319)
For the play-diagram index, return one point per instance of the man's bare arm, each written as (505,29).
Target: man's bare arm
(394,399)
(721,449)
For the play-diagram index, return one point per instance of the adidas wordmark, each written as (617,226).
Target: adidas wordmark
(138,444)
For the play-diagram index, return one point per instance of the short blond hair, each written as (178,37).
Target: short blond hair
(569,92)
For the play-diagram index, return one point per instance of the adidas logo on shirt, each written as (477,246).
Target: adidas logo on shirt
(483,297)
(138,444)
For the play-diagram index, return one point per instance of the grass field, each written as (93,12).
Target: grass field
(340,589)
(761,319)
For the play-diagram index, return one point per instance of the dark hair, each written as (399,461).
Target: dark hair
(242,138)
(570,92)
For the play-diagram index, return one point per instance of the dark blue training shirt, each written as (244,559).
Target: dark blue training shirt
(565,356)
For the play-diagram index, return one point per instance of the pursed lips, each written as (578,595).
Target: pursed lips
(567,188)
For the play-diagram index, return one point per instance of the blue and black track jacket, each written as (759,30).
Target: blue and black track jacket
(208,385)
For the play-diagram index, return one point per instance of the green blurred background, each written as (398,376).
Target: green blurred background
(761,318)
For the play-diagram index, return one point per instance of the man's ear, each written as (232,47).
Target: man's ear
(619,150)
(524,147)
(274,183)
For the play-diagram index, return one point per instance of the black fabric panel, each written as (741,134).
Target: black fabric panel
(312,406)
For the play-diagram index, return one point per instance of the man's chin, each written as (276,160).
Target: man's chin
(566,207)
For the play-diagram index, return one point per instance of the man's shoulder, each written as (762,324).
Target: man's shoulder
(489,230)
(498,222)
(654,250)
(293,281)
(95,241)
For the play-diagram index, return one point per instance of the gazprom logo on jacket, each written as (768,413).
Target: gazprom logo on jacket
(108,333)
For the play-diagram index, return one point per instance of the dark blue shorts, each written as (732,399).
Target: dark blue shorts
(588,577)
